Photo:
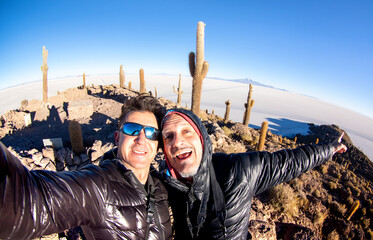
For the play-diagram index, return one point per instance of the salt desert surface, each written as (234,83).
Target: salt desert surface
(286,113)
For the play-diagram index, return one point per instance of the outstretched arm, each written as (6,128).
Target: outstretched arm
(36,203)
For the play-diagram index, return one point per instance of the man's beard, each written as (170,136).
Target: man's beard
(190,173)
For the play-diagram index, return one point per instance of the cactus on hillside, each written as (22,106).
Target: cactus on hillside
(353,209)
(76,137)
(155,92)
(263,134)
(198,68)
(84,80)
(227,110)
(121,76)
(248,106)
(142,81)
(44,68)
(178,92)
(129,85)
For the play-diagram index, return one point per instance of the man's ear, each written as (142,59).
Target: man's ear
(116,137)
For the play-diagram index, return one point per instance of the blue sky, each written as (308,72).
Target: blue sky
(321,48)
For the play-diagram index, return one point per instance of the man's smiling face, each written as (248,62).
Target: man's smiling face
(182,145)
(137,152)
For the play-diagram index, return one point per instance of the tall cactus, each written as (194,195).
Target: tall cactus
(353,209)
(44,68)
(263,134)
(248,106)
(198,68)
(130,85)
(76,137)
(84,80)
(178,92)
(155,92)
(142,81)
(227,110)
(121,76)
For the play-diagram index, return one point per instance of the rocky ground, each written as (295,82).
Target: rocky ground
(317,205)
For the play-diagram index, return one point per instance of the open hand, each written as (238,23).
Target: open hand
(338,146)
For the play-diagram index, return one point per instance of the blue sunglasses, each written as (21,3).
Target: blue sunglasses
(134,129)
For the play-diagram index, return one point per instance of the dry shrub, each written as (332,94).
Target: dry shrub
(247,138)
(323,168)
(227,131)
(350,200)
(338,209)
(319,218)
(332,185)
(363,211)
(284,200)
(333,235)
(366,223)
(316,193)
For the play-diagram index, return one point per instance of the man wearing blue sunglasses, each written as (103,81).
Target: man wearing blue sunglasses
(210,194)
(119,199)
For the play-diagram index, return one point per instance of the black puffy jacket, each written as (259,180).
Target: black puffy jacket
(107,201)
(240,177)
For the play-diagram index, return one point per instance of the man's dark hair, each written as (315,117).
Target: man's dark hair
(141,103)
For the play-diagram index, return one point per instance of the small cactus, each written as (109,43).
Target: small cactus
(44,68)
(155,92)
(317,141)
(353,209)
(227,110)
(84,80)
(178,92)
(121,76)
(198,68)
(76,137)
(263,134)
(142,81)
(129,85)
(248,106)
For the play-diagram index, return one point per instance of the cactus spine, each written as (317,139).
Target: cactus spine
(142,81)
(121,76)
(84,80)
(353,209)
(76,137)
(263,134)
(198,68)
(248,106)
(44,68)
(178,92)
(227,110)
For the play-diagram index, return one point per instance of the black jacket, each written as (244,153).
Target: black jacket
(240,177)
(107,201)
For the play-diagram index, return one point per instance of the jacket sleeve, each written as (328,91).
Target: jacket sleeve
(36,203)
(260,171)
(265,170)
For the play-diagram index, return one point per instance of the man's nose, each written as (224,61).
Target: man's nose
(178,140)
(141,137)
